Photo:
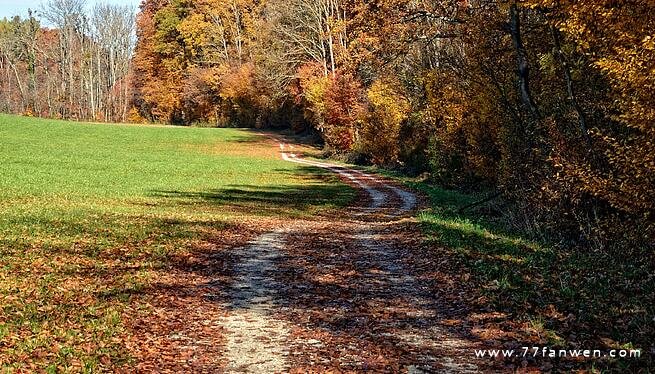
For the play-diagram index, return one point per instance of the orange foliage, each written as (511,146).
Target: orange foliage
(334,104)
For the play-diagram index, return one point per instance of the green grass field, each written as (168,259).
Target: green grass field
(89,212)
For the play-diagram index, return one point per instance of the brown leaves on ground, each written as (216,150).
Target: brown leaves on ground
(175,321)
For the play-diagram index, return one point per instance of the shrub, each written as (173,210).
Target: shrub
(380,128)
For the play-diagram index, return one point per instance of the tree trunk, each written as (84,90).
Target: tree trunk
(522,62)
(559,55)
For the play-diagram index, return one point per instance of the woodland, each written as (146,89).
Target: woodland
(548,104)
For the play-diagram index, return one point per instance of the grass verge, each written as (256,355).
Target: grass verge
(540,294)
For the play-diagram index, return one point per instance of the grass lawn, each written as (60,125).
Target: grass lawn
(89,213)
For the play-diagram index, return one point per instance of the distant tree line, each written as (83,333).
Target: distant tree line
(76,68)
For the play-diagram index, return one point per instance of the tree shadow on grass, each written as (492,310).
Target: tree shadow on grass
(277,201)
(315,194)
(252,138)
(516,291)
(329,282)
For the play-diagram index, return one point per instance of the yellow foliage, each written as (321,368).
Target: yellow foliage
(194,32)
(388,109)
(314,93)
(133,116)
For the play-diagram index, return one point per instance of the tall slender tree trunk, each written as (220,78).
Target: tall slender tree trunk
(523,66)
(570,90)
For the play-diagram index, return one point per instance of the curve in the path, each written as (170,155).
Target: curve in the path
(389,271)
(378,197)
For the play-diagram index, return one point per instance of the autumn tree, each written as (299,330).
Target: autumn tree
(78,69)
(548,103)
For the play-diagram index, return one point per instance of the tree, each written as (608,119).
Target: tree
(79,69)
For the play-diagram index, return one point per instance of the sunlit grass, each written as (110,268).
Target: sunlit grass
(89,212)
(465,227)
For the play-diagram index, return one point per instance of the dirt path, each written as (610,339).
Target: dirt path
(339,294)
(256,340)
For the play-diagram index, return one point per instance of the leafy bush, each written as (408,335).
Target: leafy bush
(381,124)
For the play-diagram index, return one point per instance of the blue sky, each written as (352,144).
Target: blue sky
(10,8)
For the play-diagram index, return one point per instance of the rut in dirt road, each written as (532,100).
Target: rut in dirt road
(280,319)
(256,339)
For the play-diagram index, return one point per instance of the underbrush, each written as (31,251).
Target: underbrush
(550,294)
